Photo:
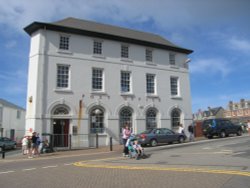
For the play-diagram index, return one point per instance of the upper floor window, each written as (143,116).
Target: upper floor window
(174,86)
(64,42)
(18,114)
(125,82)
(97,79)
(97,48)
(149,55)
(124,51)
(172,59)
(62,76)
(150,79)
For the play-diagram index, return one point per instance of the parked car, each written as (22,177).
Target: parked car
(7,142)
(220,127)
(160,135)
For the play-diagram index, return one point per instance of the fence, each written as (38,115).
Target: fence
(74,141)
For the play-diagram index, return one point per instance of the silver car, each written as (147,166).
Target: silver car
(160,135)
(7,142)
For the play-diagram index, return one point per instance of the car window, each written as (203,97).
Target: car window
(167,131)
(158,131)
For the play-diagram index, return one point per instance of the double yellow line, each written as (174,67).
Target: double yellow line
(88,164)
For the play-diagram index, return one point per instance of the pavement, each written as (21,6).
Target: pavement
(17,154)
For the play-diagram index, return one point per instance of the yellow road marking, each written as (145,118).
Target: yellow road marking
(86,164)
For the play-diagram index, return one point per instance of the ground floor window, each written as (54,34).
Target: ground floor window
(175,117)
(151,121)
(125,117)
(97,121)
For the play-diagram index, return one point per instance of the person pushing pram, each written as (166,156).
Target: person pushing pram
(135,149)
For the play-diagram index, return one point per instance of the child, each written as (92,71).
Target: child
(138,149)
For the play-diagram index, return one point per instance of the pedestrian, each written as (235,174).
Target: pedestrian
(34,146)
(248,126)
(191,132)
(38,143)
(180,129)
(29,148)
(126,132)
(25,145)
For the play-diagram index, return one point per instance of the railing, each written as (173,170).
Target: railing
(73,141)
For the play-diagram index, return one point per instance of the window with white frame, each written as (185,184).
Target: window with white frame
(151,121)
(97,47)
(62,76)
(176,118)
(174,86)
(124,51)
(150,79)
(64,42)
(126,117)
(97,121)
(149,55)
(172,59)
(97,79)
(125,82)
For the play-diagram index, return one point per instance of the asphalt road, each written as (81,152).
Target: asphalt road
(217,163)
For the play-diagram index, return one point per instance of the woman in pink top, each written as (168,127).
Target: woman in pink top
(126,132)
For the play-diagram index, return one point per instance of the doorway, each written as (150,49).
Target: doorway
(61,132)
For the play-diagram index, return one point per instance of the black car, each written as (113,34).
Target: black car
(220,127)
(7,143)
(160,135)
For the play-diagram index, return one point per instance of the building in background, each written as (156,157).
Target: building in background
(12,120)
(217,112)
(87,78)
(238,111)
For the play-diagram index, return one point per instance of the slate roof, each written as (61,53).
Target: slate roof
(9,104)
(94,29)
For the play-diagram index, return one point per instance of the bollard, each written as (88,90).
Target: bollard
(97,141)
(111,144)
(3,151)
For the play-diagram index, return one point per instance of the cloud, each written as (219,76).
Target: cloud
(165,14)
(210,66)
(241,45)
(11,44)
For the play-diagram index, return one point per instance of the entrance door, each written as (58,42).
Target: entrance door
(61,132)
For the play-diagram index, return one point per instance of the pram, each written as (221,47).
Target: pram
(133,153)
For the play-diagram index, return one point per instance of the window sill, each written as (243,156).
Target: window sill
(64,52)
(127,94)
(176,97)
(98,93)
(62,90)
(150,63)
(152,96)
(174,67)
(126,60)
(99,56)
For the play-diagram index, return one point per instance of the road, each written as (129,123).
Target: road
(217,163)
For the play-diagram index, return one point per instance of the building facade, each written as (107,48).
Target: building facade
(238,111)
(87,78)
(12,120)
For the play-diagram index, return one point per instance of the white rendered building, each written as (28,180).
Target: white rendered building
(12,120)
(87,77)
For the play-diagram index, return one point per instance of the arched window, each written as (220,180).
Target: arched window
(97,121)
(61,111)
(125,117)
(175,116)
(151,121)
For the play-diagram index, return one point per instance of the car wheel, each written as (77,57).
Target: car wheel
(222,134)
(239,132)
(181,139)
(153,143)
